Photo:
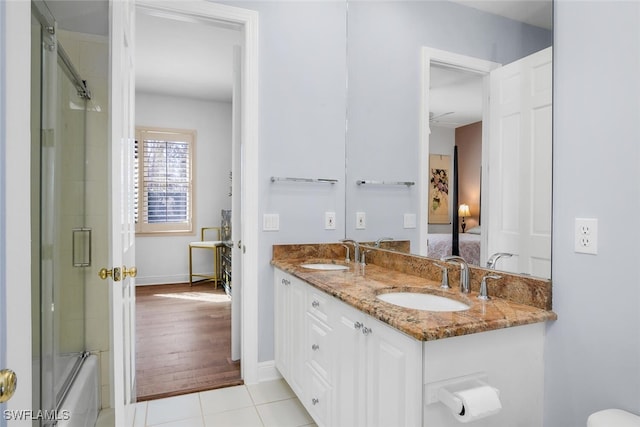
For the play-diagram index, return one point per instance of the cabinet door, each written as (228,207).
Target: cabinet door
(282,283)
(289,333)
(298,338)
(318,400)
(394,377)
(348,368)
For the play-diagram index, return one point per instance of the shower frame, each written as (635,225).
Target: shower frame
(51,391)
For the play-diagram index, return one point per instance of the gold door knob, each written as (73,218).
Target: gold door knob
(8,384)
(132,272)
(115,274)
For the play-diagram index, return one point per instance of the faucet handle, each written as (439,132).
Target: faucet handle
(347,256)
(363,252)
(484,294)
(493,259)
(444,284)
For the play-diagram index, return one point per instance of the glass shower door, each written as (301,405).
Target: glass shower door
(65,242)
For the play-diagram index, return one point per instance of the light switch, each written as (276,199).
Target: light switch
(329,220)
(410,220)
(361,220)
(271,222)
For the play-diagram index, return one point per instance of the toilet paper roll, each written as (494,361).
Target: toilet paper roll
(477,403)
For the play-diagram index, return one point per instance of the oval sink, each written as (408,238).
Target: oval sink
(419,301)
(327,267)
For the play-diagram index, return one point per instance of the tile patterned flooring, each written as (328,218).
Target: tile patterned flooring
(268,404)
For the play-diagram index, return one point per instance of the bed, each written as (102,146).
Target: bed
(439,245)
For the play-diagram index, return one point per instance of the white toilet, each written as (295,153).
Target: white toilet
(613,418)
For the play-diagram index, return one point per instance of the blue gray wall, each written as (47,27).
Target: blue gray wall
(304,57)
(385,40)
(592,356)
(302,98)
(593,351)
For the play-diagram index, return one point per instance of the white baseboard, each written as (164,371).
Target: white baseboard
(162,280)
(267,371)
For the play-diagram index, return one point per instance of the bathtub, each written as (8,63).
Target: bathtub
(82,401)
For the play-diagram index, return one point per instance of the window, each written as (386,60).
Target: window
(164,191)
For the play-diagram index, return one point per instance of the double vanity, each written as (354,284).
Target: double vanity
(373,345)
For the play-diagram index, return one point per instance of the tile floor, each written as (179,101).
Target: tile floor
(268,404)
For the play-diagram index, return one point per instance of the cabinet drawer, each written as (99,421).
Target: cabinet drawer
(318,304)
(318,348)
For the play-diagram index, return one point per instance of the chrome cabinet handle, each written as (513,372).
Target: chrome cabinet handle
(366,330)
(314,401)
(315,304)
(286,282)
(315,347)
(358,325)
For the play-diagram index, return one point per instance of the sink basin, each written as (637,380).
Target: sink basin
(420,301)
(326,267)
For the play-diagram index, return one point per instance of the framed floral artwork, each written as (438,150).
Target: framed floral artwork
(439,185)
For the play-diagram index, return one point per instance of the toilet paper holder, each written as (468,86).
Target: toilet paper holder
(433,393)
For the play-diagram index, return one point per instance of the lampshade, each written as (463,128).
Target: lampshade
(464,211)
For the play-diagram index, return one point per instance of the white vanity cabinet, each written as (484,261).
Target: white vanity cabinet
(378,372)
(347,368)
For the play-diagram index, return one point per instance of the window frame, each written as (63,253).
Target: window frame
(169,135)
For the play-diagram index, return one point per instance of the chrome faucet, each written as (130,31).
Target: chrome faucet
(356,249)
(484,294)
(491,262)
(464,271)
(382,239)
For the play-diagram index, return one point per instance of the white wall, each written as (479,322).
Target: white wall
(165,259)
(593,350)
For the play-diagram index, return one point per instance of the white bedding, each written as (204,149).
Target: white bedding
(439,245)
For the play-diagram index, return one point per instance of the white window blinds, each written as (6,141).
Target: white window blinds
(165,196)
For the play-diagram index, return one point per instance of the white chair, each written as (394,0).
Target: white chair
(210,245)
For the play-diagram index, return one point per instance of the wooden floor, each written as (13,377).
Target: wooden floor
(183,340)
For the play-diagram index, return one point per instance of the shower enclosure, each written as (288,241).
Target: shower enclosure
(61,236)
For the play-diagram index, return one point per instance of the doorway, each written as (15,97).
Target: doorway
(185,72)
(470,76)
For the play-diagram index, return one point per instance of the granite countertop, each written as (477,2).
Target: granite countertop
(359,287)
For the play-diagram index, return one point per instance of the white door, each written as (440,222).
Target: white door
(15,227)
(236,205)
(520,168)
(122,232)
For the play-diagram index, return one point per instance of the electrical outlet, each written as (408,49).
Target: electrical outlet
(586,235)
(361,221)
(329,220)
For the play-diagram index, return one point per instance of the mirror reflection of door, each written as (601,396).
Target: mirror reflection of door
(185,80)
(505,140)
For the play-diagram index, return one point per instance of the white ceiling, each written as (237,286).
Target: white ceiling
(455,97)
(184,58)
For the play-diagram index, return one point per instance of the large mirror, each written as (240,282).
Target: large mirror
(425,77)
